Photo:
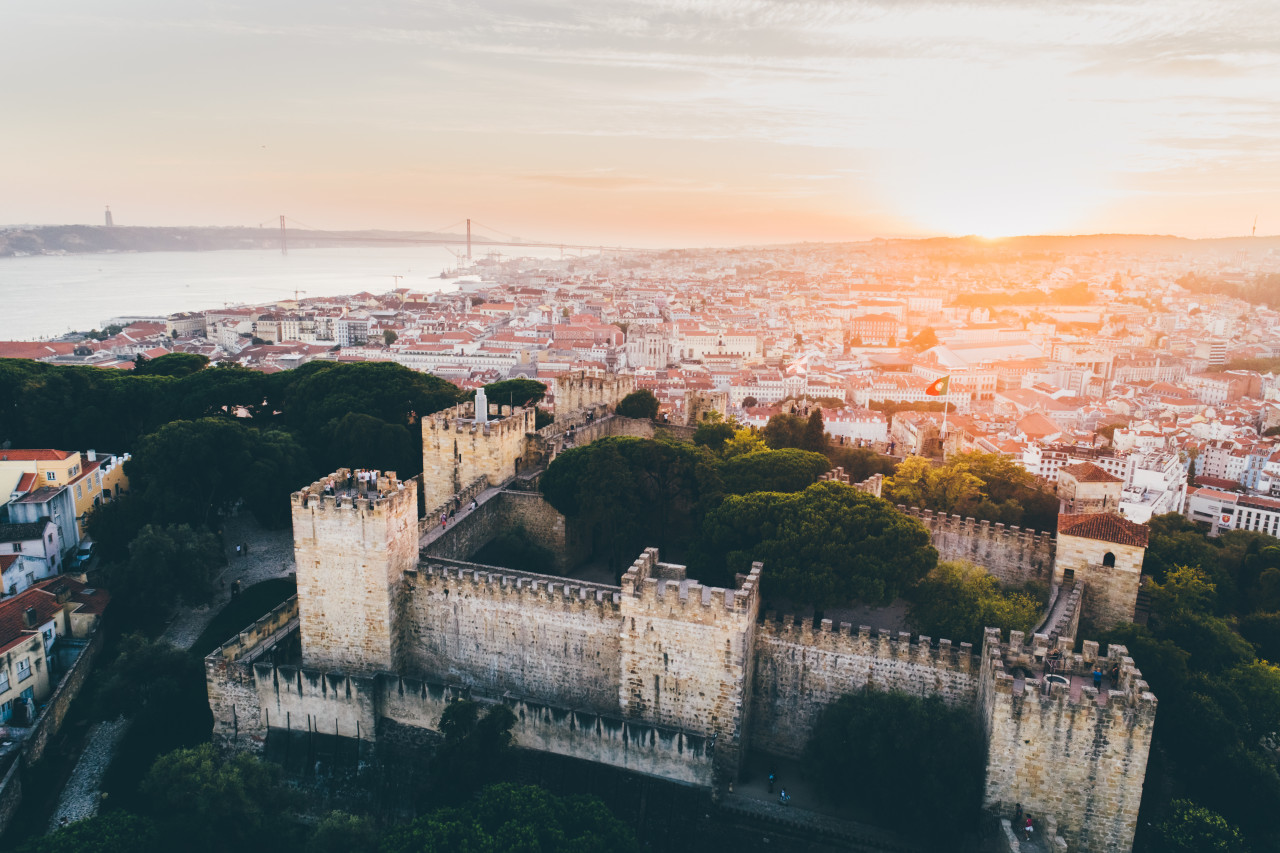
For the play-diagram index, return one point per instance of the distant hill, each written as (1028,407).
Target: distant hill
(78,239)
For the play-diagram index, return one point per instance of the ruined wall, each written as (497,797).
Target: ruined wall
(351,554)
(699,404)
(499,631)
(580,734)
(800,671)
(456,450)
(1078,763)
(1011,554)
(686,653)
(580,390)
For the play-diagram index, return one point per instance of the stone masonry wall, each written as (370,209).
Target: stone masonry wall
(800,671)
(499,630)
(304,699)
(686,653)
(1014,556)
(579,390)
(351,555)
(1077,764)
(456,450)
(1112,591)
(229,679)
(584,735)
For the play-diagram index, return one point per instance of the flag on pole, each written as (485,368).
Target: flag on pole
(939,386)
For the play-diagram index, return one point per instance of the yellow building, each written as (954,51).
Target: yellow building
(85,475)
(31,657)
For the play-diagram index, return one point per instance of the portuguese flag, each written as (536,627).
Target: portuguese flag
(939,386)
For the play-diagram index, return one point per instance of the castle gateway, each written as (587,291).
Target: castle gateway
(659,675)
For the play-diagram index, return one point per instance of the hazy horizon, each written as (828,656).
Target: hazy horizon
(657,123)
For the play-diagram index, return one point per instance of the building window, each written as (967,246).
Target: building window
(4,680)
(6,711)
(1108,559)
(24,669)
(79,494)
(17,547)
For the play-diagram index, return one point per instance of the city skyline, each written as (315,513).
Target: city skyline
(661,123)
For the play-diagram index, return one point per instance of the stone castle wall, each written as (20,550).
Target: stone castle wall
(581,734)
(686,653)
(1070,756)
(581,390)
(456,450)
(800,671)
(506,511)
(1112,594)
(351,554)
(498,631)
(1013,555)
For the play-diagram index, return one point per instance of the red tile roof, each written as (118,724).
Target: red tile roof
(41,597)
(1087,472)
(1104,527)
(33,455)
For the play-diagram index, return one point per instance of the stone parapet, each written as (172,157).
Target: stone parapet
(649,592)
(521,588)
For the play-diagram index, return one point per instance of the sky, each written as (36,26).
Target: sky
(647,122)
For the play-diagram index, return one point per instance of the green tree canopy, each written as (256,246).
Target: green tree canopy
(188,471)
(166,564)
(788,470)
(902,743)
(713,434)
(638,404)
(173,364)
(785,430)
(112,832)
(214,803)
(824,546)
(1195,829)
(515,392)
(634,492)
(506,818)
(815,433)
(956,601)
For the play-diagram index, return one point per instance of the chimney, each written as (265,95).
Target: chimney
(91,455)
(63,594)
(30,617)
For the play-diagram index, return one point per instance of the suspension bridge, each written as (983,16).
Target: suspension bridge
(444,238)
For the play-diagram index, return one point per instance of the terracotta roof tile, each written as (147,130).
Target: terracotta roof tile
(1103,527)
(1087,472)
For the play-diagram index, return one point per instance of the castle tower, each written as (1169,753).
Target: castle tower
(699,404)
(1085,488)
(1106,552)
(458,449)
(352,549)
(1074,758)
(687,654)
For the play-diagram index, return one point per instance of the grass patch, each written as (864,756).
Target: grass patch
(254,603)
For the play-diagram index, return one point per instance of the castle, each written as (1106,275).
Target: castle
(659,674)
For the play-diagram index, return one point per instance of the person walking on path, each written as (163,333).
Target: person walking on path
(1027,829)
(1097,678)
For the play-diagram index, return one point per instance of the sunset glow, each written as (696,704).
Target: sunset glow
(656,122)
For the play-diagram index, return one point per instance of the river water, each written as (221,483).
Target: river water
(48,295)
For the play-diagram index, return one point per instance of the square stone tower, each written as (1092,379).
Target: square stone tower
(687,654)
(458,449)
(1106,552)
(352,548)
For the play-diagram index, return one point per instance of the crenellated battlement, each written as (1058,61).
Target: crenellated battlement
(873,485)
(579,390)
(520,588)
(866,642)
(388,493)
(462,419)
(661,588)
(1018,669)
(941,521)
